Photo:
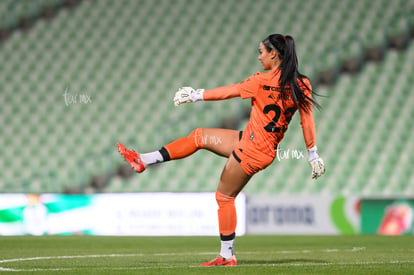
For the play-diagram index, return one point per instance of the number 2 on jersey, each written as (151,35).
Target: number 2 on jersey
(288,113)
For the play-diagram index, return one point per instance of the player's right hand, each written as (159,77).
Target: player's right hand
(188,95)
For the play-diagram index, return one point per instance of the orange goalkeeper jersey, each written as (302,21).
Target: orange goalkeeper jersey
(270,113)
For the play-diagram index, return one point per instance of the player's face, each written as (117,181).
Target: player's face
(267,58)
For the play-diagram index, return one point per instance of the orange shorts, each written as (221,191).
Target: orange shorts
(251,159)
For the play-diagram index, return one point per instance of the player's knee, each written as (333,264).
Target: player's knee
(197,136)
(224,199)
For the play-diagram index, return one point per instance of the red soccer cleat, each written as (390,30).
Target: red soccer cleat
(220,261)
(131,157)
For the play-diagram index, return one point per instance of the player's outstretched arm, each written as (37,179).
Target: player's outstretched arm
(316,162)
(189,94)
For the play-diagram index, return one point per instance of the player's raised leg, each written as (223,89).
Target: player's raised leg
(218,141)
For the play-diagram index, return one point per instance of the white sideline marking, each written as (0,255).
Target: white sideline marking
(6,269)
(354,249)
(69,257)
(170,254)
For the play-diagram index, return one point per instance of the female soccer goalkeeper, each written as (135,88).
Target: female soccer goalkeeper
(275,97)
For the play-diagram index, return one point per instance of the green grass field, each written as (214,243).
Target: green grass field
(182,255)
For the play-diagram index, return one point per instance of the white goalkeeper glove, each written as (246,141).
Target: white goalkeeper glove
(188,94)
(317,164)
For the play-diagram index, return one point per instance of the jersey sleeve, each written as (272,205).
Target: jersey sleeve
(307,121)
(248,88)
(221,93)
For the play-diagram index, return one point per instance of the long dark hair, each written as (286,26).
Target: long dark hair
(289,76)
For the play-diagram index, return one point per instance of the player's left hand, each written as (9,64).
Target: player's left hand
(318,168)
(188,95)
(316,162)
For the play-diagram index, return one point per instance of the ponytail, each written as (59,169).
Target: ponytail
(289,76)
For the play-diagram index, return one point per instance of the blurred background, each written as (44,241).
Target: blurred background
(78,76)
